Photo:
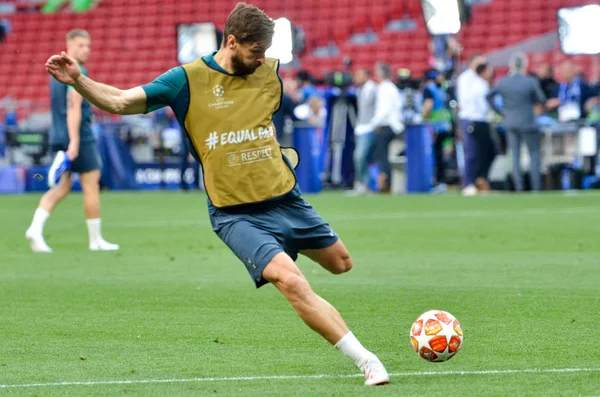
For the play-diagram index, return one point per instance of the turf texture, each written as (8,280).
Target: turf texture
(174,309)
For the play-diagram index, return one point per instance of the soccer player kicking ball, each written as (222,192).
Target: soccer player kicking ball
(225,102)
(72,139)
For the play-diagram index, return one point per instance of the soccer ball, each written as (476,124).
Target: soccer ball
(436,336)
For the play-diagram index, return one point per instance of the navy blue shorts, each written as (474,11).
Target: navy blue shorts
(255,237)
(88,159)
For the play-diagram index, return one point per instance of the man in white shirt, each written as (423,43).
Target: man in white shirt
(364,134)
(386,122)
(470,111)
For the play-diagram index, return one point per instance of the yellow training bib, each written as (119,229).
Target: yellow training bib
(229,124)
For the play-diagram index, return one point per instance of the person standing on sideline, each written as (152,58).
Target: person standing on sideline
(386,122)
(306,87)
(546,80)
(469,112)
(574,97)
(436,112)
(484,149)
(520,94)
(71,137)
(364,136)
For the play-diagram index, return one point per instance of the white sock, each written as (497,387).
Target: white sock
(352,349)
(39,220)
(94,230)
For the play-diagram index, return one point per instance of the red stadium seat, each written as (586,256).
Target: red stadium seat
(396,10)
(360,19)
(378,18)
(137,38)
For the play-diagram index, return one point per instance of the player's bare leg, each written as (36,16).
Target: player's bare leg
(322,317)
(335,258)
(316,312)
(35,232)
(90,184)
(52,197)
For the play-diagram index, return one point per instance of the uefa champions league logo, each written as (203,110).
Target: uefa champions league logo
(219,91)
(220,103)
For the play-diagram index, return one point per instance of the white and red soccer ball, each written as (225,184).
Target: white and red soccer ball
(436,336)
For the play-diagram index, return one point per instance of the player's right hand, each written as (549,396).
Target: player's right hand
(64,68)
(73,151)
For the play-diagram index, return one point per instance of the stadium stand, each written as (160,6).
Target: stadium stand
(137,37)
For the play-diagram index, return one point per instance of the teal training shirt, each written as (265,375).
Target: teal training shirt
(59,133)
(172,89)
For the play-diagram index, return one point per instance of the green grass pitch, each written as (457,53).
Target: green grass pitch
(174,308)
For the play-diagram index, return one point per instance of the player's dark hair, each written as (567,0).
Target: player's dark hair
(249,24)
(75,33)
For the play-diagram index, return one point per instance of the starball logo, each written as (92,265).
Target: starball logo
(221,102)
(219,91)
(248,156)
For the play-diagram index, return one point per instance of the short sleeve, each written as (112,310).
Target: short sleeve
(164,89)
(427,94)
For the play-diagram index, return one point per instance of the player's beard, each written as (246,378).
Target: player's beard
(239,67)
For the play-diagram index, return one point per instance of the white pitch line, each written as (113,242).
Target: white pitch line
(295,377)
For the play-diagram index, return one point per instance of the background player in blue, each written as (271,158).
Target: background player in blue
(255,205)
(71,133)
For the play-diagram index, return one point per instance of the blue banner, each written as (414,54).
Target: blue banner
(150,176)
(36,177)
(12,179)
(419,170)
(147,176)
(306,142)
(2,141)
(118,166)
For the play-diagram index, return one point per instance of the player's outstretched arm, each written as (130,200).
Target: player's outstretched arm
(111,99)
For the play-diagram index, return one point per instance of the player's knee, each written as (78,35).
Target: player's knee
(90,187)
(343,264)
(294,286)
(90,181)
